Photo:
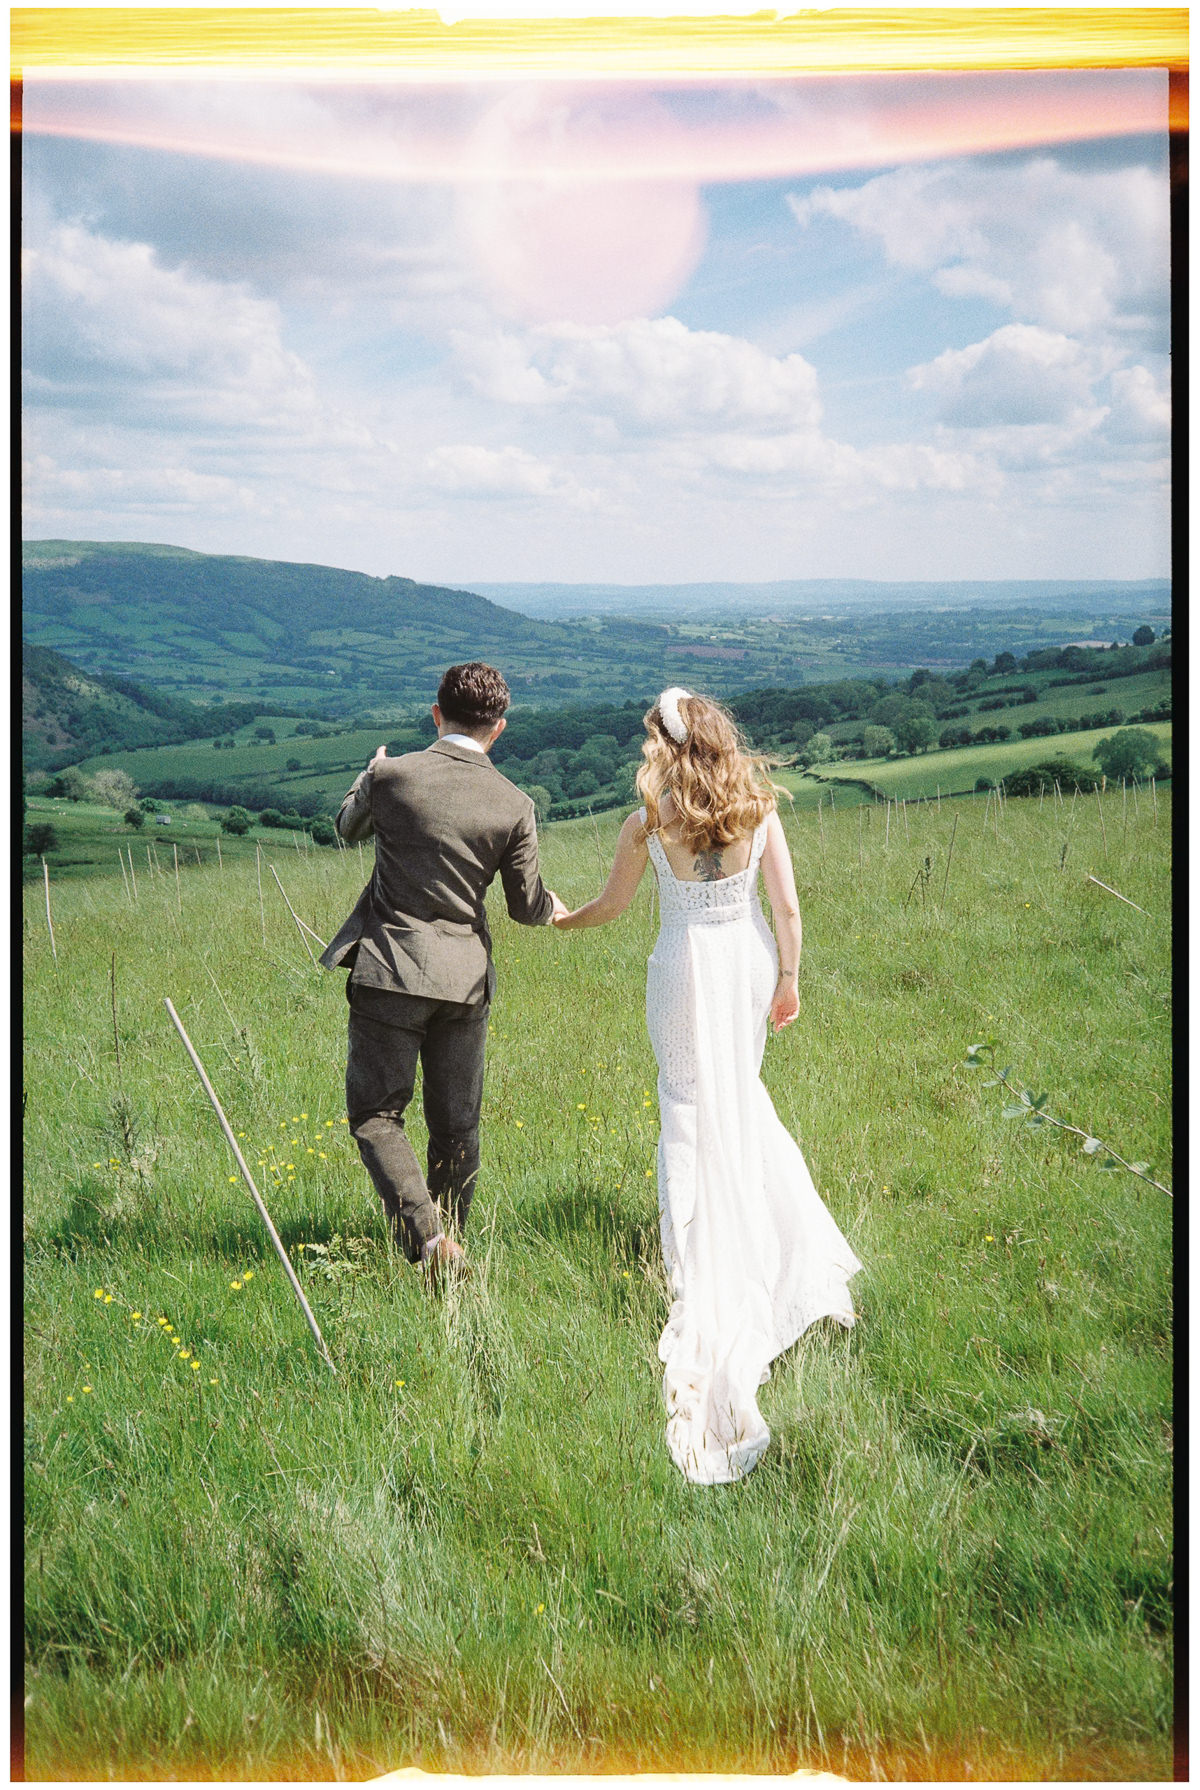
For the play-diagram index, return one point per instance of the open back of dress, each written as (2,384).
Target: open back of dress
(752,1254)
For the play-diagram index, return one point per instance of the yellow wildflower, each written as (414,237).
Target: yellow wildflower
(135,1316)
(235,1286)
(99,1293)
(195,1367)
(233,1177)
(108,1298)
(213,1381)
(304,1115)
(85,1389)
(249,1274)
(70,1398)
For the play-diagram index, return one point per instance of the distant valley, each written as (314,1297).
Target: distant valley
(342,645)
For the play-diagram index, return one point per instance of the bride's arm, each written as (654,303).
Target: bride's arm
(621,887)
(785,907)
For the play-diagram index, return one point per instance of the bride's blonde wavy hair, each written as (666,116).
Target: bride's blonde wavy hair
(720,789)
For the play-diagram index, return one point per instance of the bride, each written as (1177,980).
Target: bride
(752,1255)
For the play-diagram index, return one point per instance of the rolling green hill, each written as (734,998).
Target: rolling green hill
(67,713)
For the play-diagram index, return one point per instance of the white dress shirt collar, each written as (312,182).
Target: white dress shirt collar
(461,739)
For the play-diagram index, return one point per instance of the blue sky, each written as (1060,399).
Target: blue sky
(871,327)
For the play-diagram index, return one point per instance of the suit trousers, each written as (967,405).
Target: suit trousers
(390,1032)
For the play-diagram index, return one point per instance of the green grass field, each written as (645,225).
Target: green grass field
(955,771)
(470,1550)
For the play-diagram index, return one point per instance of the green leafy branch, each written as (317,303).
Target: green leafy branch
(1031,1107)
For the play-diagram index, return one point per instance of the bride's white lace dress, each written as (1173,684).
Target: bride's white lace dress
(752,1254)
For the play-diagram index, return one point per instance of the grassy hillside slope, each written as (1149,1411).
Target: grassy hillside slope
(469,1549)
(955,771)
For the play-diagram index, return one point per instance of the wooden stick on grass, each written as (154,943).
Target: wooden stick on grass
(124,878)
(262,912)
(49,921)
(112,989)
(1103,834)
(178,900)
(1116,892)
(132,876)
(300,926)
(280,1251)
(949,855)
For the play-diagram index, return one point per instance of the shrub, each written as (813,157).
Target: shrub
(982,783)
(878,741)
(817,750)
(135,818)
(541,798)
(321,832)
(236,821)
(70,784)
(1042,777)
(1130,753)
(40,838)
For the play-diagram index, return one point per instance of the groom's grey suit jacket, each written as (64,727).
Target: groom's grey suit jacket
(445,821)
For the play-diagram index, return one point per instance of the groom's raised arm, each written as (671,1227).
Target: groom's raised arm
(529,901)
(354,816)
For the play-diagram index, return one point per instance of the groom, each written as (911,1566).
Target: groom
(419,953)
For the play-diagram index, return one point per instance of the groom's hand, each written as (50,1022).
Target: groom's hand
(558,911)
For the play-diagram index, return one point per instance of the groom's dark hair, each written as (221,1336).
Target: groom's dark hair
(473,696)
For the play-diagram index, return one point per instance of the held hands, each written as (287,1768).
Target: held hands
(560,911)
(785,1004)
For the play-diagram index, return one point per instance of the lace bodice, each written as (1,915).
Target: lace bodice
(702,903)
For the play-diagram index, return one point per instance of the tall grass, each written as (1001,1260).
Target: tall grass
(470,1549)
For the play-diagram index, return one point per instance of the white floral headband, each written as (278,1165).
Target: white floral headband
(668,709)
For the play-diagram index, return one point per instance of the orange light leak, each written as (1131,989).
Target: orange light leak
(918,118)
(62,42)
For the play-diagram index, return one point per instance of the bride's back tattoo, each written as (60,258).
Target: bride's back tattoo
(708,867)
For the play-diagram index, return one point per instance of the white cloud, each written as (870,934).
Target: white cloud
(106,324)
(648,376)
(1141,405)
(1072,250)
(474,471)
(1020,374)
